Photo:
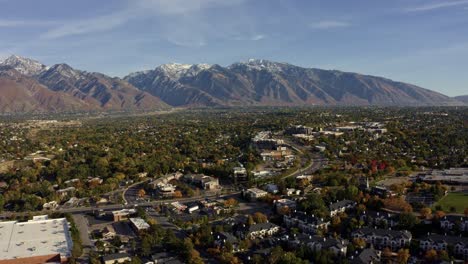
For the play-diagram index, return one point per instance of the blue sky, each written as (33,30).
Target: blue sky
(424,42)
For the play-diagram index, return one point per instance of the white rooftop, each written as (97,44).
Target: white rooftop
(37,237)
(139,223)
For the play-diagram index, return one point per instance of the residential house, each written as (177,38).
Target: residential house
(116,258)
(240,174)
(306,223)
(451,221)
(341,206)
(108,232)
(284,205)
(257,230)
(335,245)
(380,219)
(382,238)
(367,256)
(441,242)
(66,191)
(222,238)
(272,188)
(163,257)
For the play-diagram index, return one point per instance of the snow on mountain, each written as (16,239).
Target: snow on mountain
(25,66)
(260,64)
(176,70)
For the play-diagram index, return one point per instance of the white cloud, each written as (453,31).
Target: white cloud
(258,37)
(327,24)
(22,23)
(172,7)
(85,26)
(437,5)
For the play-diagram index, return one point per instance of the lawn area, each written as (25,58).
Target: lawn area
(457,200)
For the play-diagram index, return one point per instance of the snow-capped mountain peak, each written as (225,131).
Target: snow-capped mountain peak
(177,70)
(260,64)
(24,65)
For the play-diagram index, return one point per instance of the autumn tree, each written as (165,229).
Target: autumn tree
(403,256)
(425,212)
(430,255)
(141,193)
(260,218)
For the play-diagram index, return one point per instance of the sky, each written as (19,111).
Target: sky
(423,42)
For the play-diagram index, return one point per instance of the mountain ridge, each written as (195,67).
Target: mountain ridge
(80,90)
(255,82)
(266,83)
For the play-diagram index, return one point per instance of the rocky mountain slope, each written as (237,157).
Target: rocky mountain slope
(266,83)
(29,86)
(20,93)
(462,98)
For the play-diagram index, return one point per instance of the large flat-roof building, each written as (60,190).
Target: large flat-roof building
(40,240)
(452,176)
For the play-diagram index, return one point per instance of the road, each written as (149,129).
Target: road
(81,210)
(82,224)
(314,164)
(130,195)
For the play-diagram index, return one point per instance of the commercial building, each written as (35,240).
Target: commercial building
(40,240)
(254,193)
(138,224)
(122,214)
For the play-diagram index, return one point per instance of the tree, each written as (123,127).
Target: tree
(359,242)
(250,221)
(430,255)
(177,194)
(387,253)
(146,246)
(260,218)
(403,256)
(439,215)
(231,202)
(408,220)
(425,212)
(141,193)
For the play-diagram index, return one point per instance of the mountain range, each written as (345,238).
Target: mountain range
(27,85)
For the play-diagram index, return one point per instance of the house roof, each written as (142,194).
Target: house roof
(259,227)
(226,236)
(367,256)
(384,232)
(453,240)
(304,217)
(341,204)
(115,256)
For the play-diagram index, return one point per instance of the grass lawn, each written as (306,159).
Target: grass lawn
(457,200)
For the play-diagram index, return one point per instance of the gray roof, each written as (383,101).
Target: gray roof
(341,204)
(384,232)
(452,240)
(310,219)
(258,227)
(226,236)
(367,255)
(115,256)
